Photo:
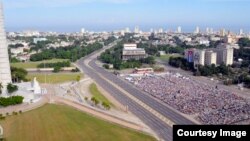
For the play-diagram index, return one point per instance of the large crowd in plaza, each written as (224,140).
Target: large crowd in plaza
(211,104)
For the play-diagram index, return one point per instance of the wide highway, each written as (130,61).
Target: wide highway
(100,75)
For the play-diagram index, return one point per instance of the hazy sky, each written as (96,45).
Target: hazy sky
(71,15)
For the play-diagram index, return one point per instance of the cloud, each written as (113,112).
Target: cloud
(55,3)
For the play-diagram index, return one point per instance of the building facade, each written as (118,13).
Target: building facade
(210,58)
(225,54)
(130,51)
(222,54)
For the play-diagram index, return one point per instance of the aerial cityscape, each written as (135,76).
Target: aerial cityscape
(123,70)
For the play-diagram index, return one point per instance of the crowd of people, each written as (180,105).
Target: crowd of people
(211,104)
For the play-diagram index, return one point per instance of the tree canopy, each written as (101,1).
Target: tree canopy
(72,52)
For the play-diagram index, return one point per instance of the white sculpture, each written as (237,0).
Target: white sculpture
(36,87)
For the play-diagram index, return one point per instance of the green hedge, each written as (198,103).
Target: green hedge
(13,100)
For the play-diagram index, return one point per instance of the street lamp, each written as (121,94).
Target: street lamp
(45,77)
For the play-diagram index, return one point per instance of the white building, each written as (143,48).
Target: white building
(204,42)
(214,38)
(127,30)
(241,32)
(222,54)
(179,29)
(122,32)
(210,57)
(130,51)
(29,33)
(225,53)
(229,39)
(83,30)
(130,46)
(207,30)
(36,40)
(16,51)
(161,30)
(197,30)
(151,30)
(188,39)
(137,29)
(223,32)
(199,57)
(211,31)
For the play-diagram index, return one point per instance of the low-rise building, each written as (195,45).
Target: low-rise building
(16,51)
(36,40)
(130,51)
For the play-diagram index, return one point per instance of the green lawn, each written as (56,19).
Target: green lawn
(62,123)
(97,94)
(167,56)
(27,65)
(54,77)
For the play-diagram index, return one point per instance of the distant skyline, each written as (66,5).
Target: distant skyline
(100,15)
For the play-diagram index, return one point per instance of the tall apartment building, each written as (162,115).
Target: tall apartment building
(195,56)
(199,57)
(223,32)
(210,57)
(179,29)
(83,30)
(225,54)
(137,29)
(222,54)
(197,30)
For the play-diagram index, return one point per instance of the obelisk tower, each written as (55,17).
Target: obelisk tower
(5,74)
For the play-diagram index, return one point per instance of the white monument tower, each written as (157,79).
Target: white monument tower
(5,74)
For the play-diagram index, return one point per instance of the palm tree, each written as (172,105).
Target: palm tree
(1,88)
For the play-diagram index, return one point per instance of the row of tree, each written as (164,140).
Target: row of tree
(244,42)
(109,40)
(209,70)
(104,104)
(18,74)
(16,45)
(57,66)
(243,52)
(180,62)
(72,52)
(40,45)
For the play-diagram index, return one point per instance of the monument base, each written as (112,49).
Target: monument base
(4,92)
